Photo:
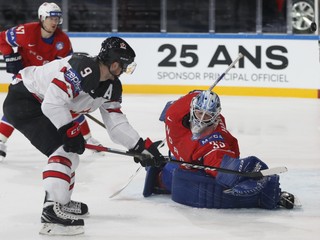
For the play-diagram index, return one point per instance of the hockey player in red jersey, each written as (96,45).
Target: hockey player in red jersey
(37,43)
(39,103)
(182,140)
(196,132)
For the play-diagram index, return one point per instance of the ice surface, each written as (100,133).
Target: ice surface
(280,131)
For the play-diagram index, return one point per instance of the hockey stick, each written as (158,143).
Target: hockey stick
(132,176)
(223,74)
(129,181)
(262,173)
(95,120)
(259,174)
(94,148)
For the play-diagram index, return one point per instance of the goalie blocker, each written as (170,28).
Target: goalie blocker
(197,189)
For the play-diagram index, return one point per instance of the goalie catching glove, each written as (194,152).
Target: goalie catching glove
(72,138)
(148,147)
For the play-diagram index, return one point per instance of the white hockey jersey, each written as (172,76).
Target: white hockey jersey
(57,86)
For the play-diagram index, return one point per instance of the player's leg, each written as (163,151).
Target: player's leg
(6,129)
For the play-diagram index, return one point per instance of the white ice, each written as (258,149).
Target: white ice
(280,131)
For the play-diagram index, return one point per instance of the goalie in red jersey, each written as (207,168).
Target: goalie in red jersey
(37,43)
(196,133)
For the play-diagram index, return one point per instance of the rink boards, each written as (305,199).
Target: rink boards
(273,65)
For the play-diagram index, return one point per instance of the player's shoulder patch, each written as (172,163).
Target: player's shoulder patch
(87,71)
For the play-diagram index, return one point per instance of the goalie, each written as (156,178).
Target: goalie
(196,132)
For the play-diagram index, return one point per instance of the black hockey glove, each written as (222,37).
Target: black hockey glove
(149,148)
(13,63)
(72,138)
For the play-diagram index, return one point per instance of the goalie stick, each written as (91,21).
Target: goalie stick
(132,176)
(225,72)
(262,173)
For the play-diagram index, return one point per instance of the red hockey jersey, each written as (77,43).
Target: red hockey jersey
(208,150)
(33,49)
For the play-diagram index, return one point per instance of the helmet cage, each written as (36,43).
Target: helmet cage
(204,111)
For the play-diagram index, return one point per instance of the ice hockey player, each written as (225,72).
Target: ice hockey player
(37,43)
(196,132)
(38,104)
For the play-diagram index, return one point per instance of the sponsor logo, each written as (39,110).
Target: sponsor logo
(211,138)
(59,45)
(73,78)
(123,45)
(169,119)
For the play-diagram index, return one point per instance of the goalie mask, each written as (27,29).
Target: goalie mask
(204,111)
(115,49)
(49,10)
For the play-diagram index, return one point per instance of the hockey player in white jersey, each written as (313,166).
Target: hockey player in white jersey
(39,104)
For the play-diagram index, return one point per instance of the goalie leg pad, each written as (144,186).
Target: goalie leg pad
(270,195)
(196,189)
(158,179)
(167,173)
(193,188)
(150,180)
(253,193)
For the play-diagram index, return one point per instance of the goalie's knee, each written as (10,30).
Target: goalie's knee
(193,188)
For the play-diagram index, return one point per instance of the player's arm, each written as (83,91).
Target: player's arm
(59,94)
(9,39)
(118,126)
(122,132)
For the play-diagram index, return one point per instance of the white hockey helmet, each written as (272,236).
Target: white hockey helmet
(204,111)
(49,10)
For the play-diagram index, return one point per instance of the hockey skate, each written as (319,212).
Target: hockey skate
(287,200)
(75,208)
(57,222)
(3,151)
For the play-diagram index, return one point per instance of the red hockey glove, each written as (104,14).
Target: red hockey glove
(72,138)
(149,148)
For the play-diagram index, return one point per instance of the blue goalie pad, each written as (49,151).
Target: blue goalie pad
(196,189)
(150,180)
(155,175)
(248,187)
(193,188)
(167,173)
(270,195)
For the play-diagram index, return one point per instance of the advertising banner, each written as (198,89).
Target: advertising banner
(267,62)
